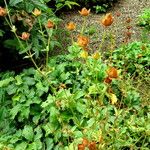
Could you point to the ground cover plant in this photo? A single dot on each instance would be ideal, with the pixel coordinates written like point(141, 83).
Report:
point(81, 100)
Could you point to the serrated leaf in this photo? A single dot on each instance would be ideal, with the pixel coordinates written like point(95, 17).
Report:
point(39, 5)
point(6, 82)
point(21, 146)
point(38, 134)
point(28, 132)
point(49, 143)
point(14, 111)
point(91, 122)
point(14, 2)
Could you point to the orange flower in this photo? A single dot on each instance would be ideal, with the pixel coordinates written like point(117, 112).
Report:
point(84, 12)
point(107, 20)
point(71, 26)
point(96, 55)
point(25, 36)
point(50, 24)
point(83, 41)
point(112, 72)
point(36, 12)
point(3, 12)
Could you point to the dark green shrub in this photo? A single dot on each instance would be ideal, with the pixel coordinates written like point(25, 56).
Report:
point(97, 5)
point(21, 19)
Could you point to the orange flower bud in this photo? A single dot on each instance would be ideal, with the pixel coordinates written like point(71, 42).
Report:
point(3, 12)
point(25, 36)
point(81, 147)
point(71, 26)
point(62, 86)
point(139, 55)
point(84, 54)
point(128, 34)
point(36, 12)
point(143, 47)
point(85, 48)
point(96, 55)
point(108, 80)
point(128, 20)
point(84, 12)
point(85, 142)
point(107, 20)
point(129, 27)
point(83, 41)
point(118, 14)
point(92, 146)
point(112, 72)
point(50, 24)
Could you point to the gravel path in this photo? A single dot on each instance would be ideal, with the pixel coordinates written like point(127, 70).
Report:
point(126, 9)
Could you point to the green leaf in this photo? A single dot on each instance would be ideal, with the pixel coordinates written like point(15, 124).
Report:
point(28, 132)
point(81, 107)
point(40, 5)
point(78, 94)
point(29, 80)
point(59, 5)
point(6, 82)
point(21, 146)
point(38, 134)
point(14, 111)
point(78, 134)
point(70, 3)
point(48, 129)
point(11, 89)
point(26, 49)
point(14, 2)
point(91, 122)
point(11, 43)
point(49, 143)
point(1, 32)
point(19, 80)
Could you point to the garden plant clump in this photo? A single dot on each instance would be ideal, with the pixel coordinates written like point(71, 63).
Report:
point(83, 100)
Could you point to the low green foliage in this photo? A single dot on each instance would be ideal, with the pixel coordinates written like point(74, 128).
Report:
point(71, 103)
point(144, 19)
point(133, 58)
